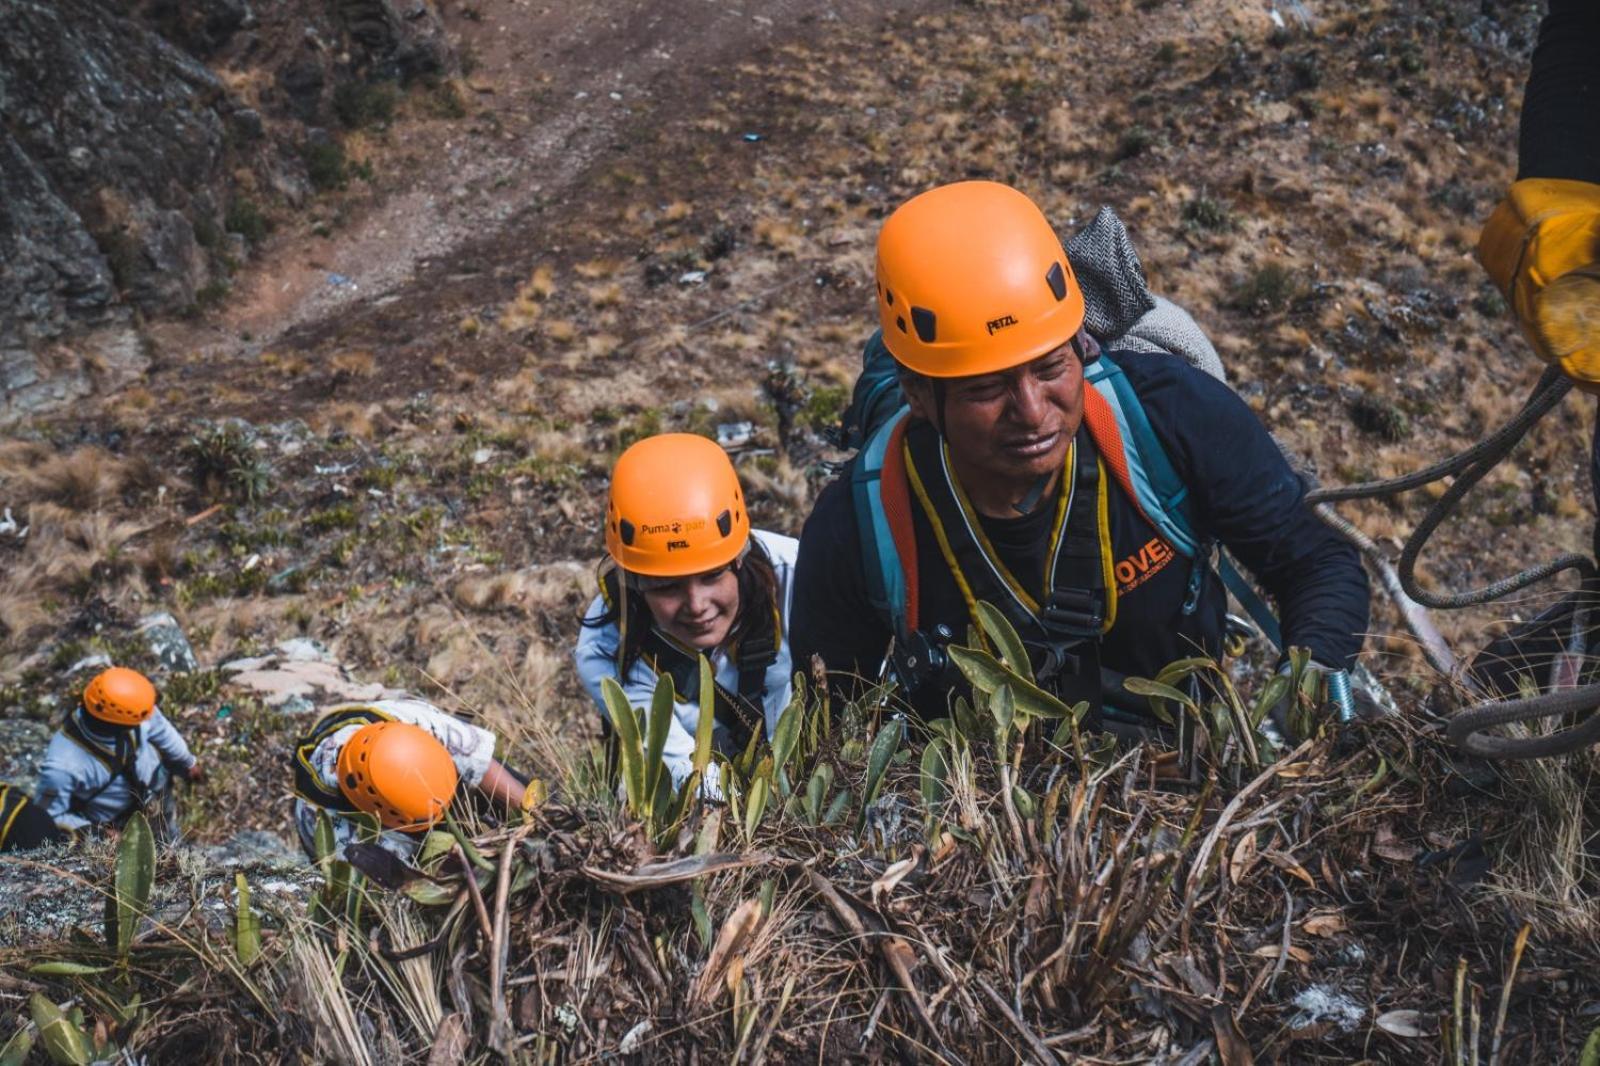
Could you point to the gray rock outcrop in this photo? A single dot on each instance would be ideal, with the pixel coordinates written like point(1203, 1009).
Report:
point(120, 149)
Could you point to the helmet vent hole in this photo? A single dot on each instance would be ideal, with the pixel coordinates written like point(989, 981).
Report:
point(350, 781)
point(1057, 280)
point(901, 322)
point(926, 322)
point(888, 298)
point(725, 523)
point(626, 531)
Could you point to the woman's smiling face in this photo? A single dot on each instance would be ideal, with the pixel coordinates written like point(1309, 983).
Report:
point(698, 610)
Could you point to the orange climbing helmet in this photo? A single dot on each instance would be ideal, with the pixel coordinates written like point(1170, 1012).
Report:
point(119, 696)
point(398, 772)
point(675, 508)
point(972, 279)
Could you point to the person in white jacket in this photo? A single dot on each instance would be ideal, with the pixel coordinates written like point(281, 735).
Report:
point(400, 760)
point(687, 576)
point(115, 752)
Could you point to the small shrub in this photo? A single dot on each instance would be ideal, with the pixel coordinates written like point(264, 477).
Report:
point(1380, 417)
point(223, 461)
point(1272, 287)
point(245, 218)
point(1205, 213)
point(361, 104)
point(1135, 141)
point(1079, 11)
point(211, 294)
point(325, 164)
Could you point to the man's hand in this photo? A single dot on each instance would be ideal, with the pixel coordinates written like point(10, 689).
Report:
point(195, 772)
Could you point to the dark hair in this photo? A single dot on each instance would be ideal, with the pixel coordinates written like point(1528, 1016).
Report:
point(758, 591)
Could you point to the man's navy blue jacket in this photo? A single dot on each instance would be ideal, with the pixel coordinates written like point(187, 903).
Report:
point(1244, 495)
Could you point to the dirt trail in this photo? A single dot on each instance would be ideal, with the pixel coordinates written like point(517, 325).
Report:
point(551, 90)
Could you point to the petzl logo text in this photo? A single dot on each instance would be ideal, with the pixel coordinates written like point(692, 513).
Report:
point(674, 545)
point(1000, 323)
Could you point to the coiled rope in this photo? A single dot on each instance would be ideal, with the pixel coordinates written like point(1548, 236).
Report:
point(1469, 467)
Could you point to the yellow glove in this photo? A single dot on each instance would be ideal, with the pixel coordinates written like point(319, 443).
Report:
point(1542, 248)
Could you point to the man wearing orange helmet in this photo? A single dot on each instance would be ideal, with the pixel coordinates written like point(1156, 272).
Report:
point(115, 752)
point(399, 760)
point(687, 576)
point(1011, 482)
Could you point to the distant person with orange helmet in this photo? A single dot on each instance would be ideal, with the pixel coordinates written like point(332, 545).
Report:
point(1012, 478)
point(115, 753)
point(399, 760)
point(687, 576)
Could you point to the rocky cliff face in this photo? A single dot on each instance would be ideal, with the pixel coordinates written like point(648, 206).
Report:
point(123, 130)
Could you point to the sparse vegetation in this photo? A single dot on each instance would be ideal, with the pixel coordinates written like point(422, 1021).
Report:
point(246, 218)
point(1270, 287)
point(359, 104)
point(325, 164)
point(224, 461)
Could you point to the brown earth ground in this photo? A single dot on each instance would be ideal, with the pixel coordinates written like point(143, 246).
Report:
point(651, 217)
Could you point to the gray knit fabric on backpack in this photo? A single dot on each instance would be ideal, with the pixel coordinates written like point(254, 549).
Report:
point(1119, 307)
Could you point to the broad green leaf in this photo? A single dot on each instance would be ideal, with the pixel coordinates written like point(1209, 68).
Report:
point(1179, 669)
point(430, 893)
point(323, 841)
point(706, 724)
point(702, 920)
point(1273, 691)
point(935, 768)
point(658, 726)
point(62, 968)
point(817, 791)
point(986, 674)
point(246, 926)
point(629, 747)
point(1003, 706)
point(787, 738)
point(756, 805)
point(136, 874)
point(966, 718)
point(1023, 800)
point(883, 748)
point(768, 894)
point(15, 1051)
point(63, 1041)
point(1591, 1050)
point(836, 809)
point(1143, 686)
point(436, 845)
point(1012, 652)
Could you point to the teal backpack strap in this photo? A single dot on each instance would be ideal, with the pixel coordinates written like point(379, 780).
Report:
point(1163, 497)
point(880, 556)
point(1161, 493)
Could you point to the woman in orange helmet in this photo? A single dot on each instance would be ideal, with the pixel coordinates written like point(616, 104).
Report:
point(398, 760)
point(686, 576)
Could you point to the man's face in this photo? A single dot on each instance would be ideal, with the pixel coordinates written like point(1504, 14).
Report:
point(1010, 427)
point(698, 610)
